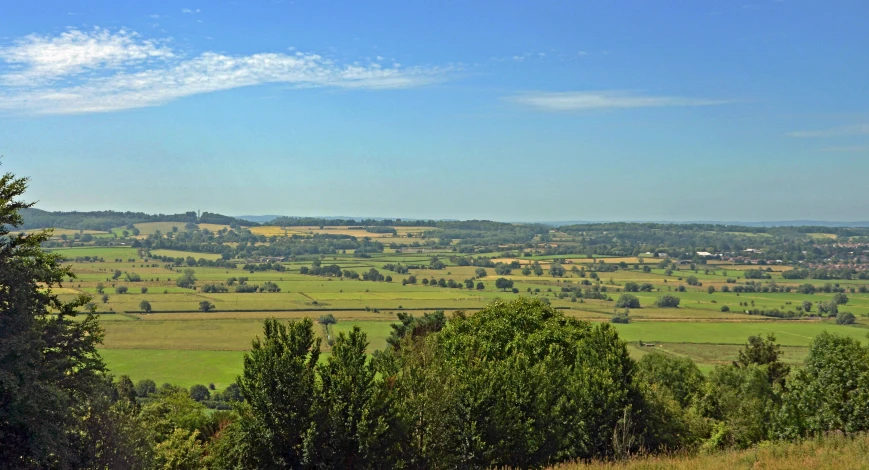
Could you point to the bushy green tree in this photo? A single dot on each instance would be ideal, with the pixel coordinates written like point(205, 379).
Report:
point(628, 301)
point(679, 375)
point(278, 388)
point(831, 393)
point(348, 428)
point(667, 301)
point(49, 366)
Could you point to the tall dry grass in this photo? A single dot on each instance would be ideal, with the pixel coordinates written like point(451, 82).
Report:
point(830, 452)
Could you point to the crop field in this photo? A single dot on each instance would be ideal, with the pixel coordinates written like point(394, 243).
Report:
point(176, 342)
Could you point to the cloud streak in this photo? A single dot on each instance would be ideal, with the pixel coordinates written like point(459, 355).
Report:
point(100, 71)
point(603, 100)
point(858, 129)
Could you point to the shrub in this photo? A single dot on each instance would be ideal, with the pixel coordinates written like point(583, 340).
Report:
point(845, 318)
point(628, 301)
point(667, 301)
point(199, 392)
point(121, 290)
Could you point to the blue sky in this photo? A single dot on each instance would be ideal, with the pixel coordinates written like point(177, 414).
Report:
point(594, 110)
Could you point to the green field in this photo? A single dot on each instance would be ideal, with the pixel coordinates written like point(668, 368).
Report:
point(697, 329)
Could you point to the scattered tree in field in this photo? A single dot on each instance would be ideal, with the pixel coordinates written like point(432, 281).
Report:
point(145, 387)
point(556, 270)
point(710, 289)
point(667, 301)
point(199, 392)
point(187, 279)
point(121, 290)
point(206, 306)
point(845, 318)
point(100, 288)
point(480, 273)
point(840, 299)
point(807, 306)
point(628, 301)
point(145, 306)
point(503, 283)
point(480, 286)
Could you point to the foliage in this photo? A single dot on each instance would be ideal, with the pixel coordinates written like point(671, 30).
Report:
point(667, 301)
point(628, 301)
point(49, 366)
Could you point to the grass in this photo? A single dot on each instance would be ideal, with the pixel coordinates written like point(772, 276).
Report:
point(698, 329)
point(214, 334)
point(180, 367)
point(787, 333)
point(833, 452)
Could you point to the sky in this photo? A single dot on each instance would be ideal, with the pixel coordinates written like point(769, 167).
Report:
point(752, 110)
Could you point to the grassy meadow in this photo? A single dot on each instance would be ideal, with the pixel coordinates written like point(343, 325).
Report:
point(177, 343)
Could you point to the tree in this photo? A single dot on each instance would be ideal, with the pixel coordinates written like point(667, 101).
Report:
point(206, 306)
point(710, 289)
point(764, 352)
point(49, 365)
point(145, 387)
point(807, 306)
point(846, 318)
point(840, 299)
point(277, 384)
point(145, 306)
point(679, 375)
point(480, 286)
point(200, 392)
point(348, 428)
point(187, 279)
point(667, 301)
point(121, 290)
point(480, 273)
point(100, 288)
point(831, 392)
point(503, 283)
point(556, 270)
point(628, 301)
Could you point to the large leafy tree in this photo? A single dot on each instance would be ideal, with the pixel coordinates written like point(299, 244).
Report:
point(350, 423)
point(278, 386)
point(48, 359)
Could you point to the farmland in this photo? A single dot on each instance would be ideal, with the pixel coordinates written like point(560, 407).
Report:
point(178, 343)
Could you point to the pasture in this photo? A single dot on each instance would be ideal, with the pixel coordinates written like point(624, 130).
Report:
point(178, 343)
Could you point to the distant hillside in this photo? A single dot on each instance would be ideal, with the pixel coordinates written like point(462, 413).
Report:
point(779, 223)
point(106, 220)
point(260, 219)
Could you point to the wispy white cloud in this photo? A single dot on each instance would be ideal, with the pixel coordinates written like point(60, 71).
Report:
point(597, 100)
point(43, 59)
point(858, 129)
point(47, 74)
point(190, 11)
